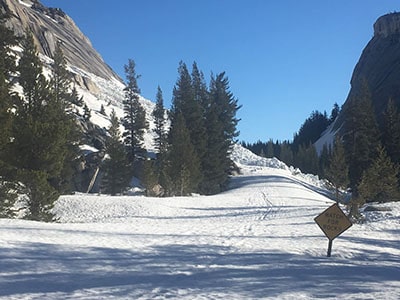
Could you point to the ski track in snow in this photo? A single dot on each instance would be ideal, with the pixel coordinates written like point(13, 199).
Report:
point(257, 240)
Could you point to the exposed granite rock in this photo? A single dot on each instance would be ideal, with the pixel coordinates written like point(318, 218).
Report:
point(379, 66)
point(50, 25)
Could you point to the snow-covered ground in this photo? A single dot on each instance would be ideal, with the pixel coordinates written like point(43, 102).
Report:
point(256, 241)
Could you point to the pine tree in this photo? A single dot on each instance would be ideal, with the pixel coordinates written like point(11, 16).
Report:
point(116, 167)
point(42, 134)
point(338, 171)
point(360, 135)
point(286, 154)
point(160, 122)
point(134, 115)
point(379, 182)
point(161, 139)
point(86, 112)
point(306, 159)
point(391, 132)
point(188, 97)
point(194, 113)
point(270, 149)
point(183, 169)
point(221, 121)
point(62, 96)
point(7, 67)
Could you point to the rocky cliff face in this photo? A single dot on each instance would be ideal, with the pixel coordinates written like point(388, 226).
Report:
point(379, 65)
point(52, 25)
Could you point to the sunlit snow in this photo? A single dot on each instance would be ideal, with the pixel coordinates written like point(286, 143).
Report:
point(257, 240)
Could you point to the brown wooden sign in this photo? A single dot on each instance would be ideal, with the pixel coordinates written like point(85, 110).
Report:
point(333, 221)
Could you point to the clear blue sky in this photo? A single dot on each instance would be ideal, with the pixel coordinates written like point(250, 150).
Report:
point(284, 58)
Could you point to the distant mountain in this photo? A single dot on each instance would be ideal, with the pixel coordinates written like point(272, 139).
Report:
point(379, 67)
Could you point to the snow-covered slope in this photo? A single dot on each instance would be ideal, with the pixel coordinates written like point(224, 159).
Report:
point(258, 240)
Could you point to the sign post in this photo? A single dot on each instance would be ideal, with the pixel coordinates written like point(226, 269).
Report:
point(333, 222)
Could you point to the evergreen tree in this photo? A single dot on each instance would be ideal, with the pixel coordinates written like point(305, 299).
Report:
point(379, 182)
point(42, 136)
point(338, 171)
point(360, 135)
point(188, 98)
point(221, 122)
point(7, 67)
point(160, 121)
point(134, 119)
point(183, 168)
point(311, 129)
point(116, 167)
point(150, 177)
point(324, 157)
point(86, 112)
point(161, 139)
point(391, 132)
point(270, 149)
point(62, 96)
point(194, 113)
point(306, 159)
point(334, 113)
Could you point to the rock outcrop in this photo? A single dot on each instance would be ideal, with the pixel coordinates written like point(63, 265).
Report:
point(52, 25)
point(379, 66)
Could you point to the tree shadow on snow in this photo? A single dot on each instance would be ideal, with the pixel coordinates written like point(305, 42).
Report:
point(42, 269)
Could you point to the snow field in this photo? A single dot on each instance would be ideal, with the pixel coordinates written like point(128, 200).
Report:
point(256, 241)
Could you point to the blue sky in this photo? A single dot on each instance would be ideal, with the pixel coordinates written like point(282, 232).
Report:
point(283, 58)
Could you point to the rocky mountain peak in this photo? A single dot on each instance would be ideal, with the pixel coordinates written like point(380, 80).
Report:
point(387, 25)
point(52, 25)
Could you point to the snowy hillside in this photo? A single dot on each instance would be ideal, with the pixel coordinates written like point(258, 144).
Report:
point(258, 240)
point(110, 95)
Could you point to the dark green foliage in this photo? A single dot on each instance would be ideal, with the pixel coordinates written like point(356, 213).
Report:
point(40, 194)
point(116, 167)
point(183, 169)
point(360, 135)
point(188, 99)
point(150, 177)
point(306, 159)
point(311, 129)
point(134, 119)
point(7, 67)
point(379, 182)
point(159, 115)
point(209, 117)
point(8, 196)
point(221, 122)
point(338, 170)
point(86, 112)
point(334, 113)
point(44, 135)
point(75, 99)
point(391, 132)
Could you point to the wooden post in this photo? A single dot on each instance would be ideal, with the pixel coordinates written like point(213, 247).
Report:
point(330, 248)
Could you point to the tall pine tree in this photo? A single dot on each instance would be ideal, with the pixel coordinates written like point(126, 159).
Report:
point(159, 115)
point(391, 132)
point(221, 121)
point(134, 115)
point(116, 166)
point(338, 170)
point(183, 168)
point(360, 135)
point(7, 67)
point(42, 136)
